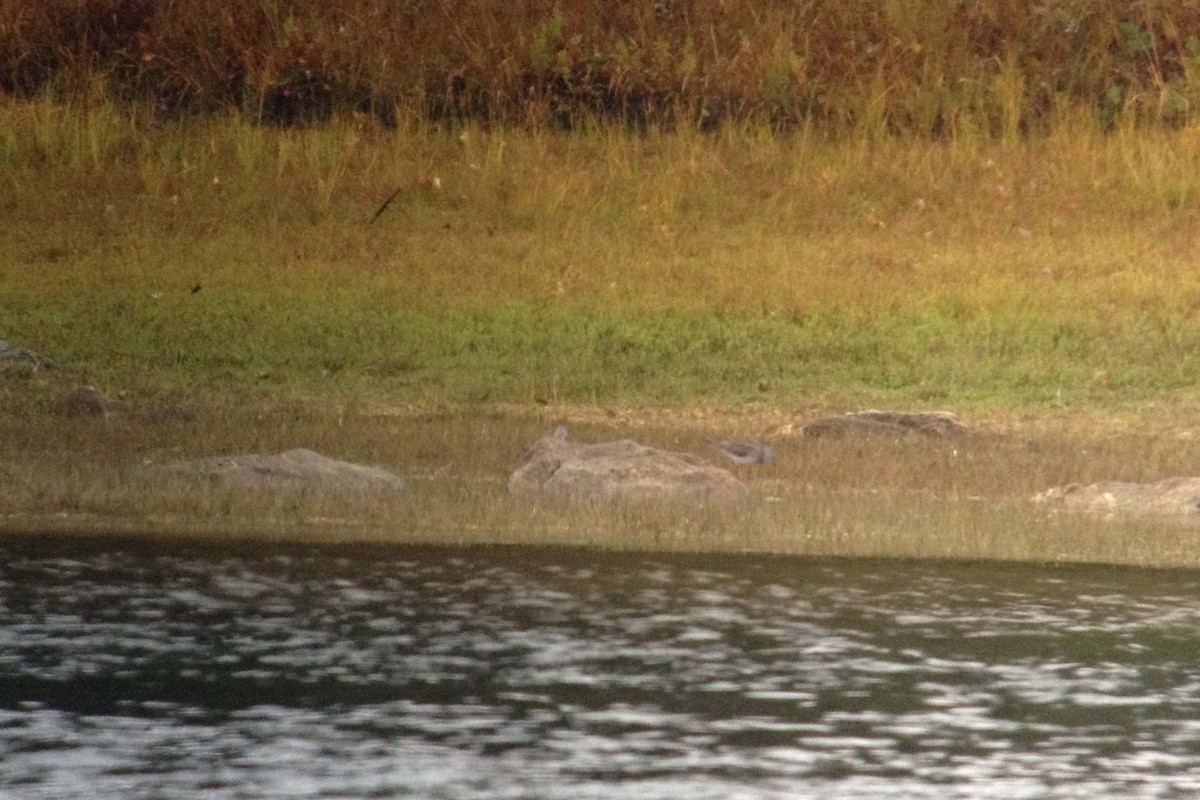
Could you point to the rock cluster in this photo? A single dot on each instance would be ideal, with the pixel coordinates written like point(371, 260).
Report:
point(1175, 498)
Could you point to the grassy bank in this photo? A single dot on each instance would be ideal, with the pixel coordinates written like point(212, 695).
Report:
point(672, 286)
point(517, 266)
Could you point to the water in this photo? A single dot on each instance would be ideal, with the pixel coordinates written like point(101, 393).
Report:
point(132, 671)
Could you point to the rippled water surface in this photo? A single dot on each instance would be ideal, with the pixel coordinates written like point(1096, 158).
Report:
point(132, 671)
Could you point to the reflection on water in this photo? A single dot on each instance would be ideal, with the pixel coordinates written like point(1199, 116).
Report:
point(128, 671)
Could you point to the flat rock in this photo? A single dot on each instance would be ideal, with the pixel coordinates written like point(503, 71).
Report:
point(13, 356)
point(621, 469)
point(888, 423)
point(291, 470)
point(1177, 498)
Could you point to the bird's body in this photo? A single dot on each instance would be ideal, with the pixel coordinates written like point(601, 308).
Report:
point(551, 440)
point(746, 451)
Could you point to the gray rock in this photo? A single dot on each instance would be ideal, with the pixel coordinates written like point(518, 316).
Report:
point(13, 356)
point(623, 470)
point(291, 470)
point(888, 423)
point(747, 451)
point(85, 401)
point(1177, 498)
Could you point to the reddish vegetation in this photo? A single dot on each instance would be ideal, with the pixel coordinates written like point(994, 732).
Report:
point(906, 65)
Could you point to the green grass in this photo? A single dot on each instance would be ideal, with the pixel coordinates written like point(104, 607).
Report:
point(342, 344)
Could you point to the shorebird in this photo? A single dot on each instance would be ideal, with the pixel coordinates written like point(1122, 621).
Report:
point(746, 451)
point(559, 435)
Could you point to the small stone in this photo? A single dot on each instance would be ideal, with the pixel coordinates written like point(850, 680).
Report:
point(85, 401)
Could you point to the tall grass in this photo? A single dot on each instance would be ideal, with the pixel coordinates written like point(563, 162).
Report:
point(927, 68)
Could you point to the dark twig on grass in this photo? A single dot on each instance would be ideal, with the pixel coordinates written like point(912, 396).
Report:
point(386, 203)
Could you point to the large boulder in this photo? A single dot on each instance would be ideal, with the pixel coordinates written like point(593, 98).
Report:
point(888, 423)
point(291, 470)
point(1176, 498)
point(622, 469)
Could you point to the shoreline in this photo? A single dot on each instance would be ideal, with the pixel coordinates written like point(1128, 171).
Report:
point(910, 498)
